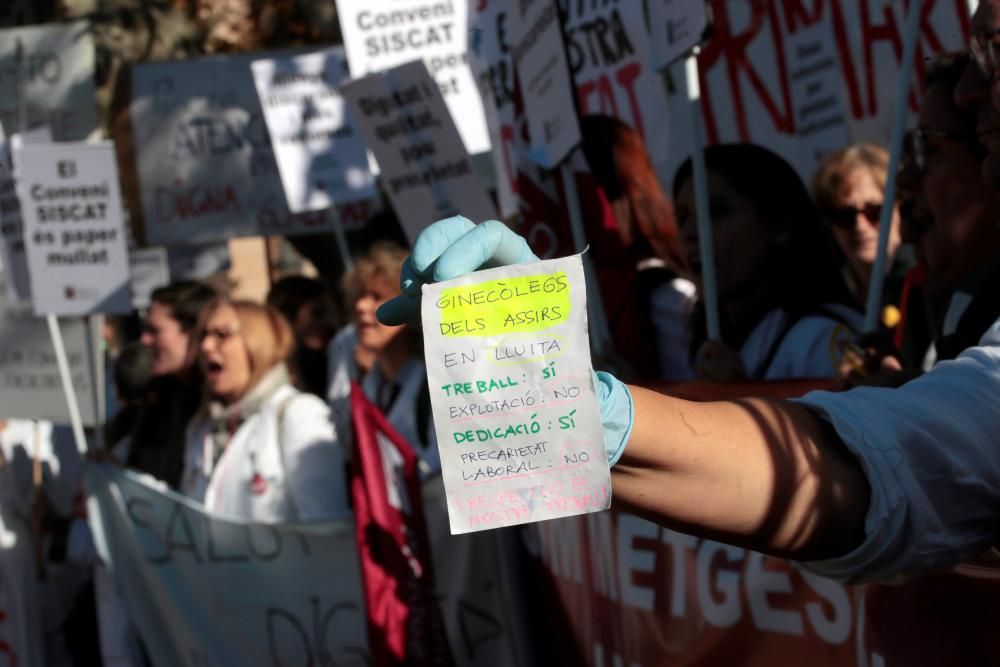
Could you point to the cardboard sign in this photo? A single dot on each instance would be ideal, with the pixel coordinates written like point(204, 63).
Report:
point(543, 69)
point(380, 34)
point(55, 62)
point(15, 261)
point(817, 95)
point(517, 420)
point(149, 268)
point(73, 230)
point(425, 169)
point(320, 157)
point(30, 387)
point(676, 27)
point(203, 154)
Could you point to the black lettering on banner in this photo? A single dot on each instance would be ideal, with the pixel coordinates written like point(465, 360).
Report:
point(289, 640)
point(210, 534)
point(252, 543)
point(478, 627)
point(132, 508)
point(178, 518)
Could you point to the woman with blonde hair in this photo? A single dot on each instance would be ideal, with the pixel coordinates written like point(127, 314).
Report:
point(849, 190)
point(259, 449)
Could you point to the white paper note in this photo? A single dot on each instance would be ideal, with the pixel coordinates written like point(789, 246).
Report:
point(517, 419)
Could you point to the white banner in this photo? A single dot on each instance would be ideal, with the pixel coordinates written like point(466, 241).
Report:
point(149, 268)
point(30, 387)
point(380, 34)
point(425, 169)
point(321, 158)
point(204, 159)
point(55, 62)
point(207, 591)
point(74, 234)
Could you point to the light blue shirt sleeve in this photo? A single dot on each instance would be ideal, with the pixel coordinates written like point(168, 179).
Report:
point(931, 452)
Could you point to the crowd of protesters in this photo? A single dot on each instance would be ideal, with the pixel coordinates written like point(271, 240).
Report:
point(244, 407)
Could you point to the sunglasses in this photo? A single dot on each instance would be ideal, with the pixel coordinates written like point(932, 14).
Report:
point(844, 216)
point(916, 143)
point(985, 52)
point(220, 334)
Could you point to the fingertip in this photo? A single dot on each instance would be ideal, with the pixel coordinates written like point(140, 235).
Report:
point(398, 311)
point(435, 239)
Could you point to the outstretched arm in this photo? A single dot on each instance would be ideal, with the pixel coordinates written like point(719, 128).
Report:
point(761, 473)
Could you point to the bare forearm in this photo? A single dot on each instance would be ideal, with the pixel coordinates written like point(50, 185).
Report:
point(760, 473)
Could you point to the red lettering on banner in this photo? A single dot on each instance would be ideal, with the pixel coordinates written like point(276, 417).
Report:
point(871, 33)
point(732, 49)
point(625, 76)
point(507, 148)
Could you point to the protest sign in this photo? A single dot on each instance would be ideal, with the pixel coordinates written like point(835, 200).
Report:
point(425, 169)
point(15, 261)
point(676, 27)
point(206, 590)
point(149, 268)
point(30, 387)
point(320, 157)
point(543, 70)
point(817, 96)
point(381, 34)
point(55, 63)
point(204, 159)
point(73, 231)
point(517, 421)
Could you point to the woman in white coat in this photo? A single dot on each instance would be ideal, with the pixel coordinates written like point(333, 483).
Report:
point(259, 449)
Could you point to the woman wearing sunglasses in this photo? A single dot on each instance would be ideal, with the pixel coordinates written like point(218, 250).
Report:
point(259, 449)
point(848, 188)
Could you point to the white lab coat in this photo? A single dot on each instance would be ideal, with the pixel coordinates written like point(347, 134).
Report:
point(930, 452)
point(271, 472)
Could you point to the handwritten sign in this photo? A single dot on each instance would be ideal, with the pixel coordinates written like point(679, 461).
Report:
point(543, 69)
point(15, 261)
point(381, 34)
point(425, 168)
point(677, 26)
point(320, 156)
point(517, 420)
point(73, 229)
point(55, 64)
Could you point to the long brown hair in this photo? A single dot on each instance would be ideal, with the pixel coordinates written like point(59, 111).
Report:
point(618, 159)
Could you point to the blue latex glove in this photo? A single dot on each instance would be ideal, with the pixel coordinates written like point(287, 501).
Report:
point(454, 247)
point(448, 249)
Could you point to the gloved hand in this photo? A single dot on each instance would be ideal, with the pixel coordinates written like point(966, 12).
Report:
point(617, 413)
point(454, 247)
point(448, 249)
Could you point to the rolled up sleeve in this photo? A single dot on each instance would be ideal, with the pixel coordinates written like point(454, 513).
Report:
point(931, 453)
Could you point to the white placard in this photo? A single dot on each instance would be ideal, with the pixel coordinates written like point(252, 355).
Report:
point(676, 27)
point(73, 230)
point(380, 34)
point(817, 95)
point(203, 154)
point(425, 169)
point(149, 268)
point(320, 156)
point(56, 64)
point(29, 377)
point(517, 420)
point(15, 261)
point(543, 70)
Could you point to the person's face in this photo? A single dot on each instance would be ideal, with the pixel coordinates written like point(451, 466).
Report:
point(372, 334)
point(223, 355)
point(312, 325)
point(859, 241)
point(167, 339)
point(954, 208)
point(740, 240)
point(981, 90)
